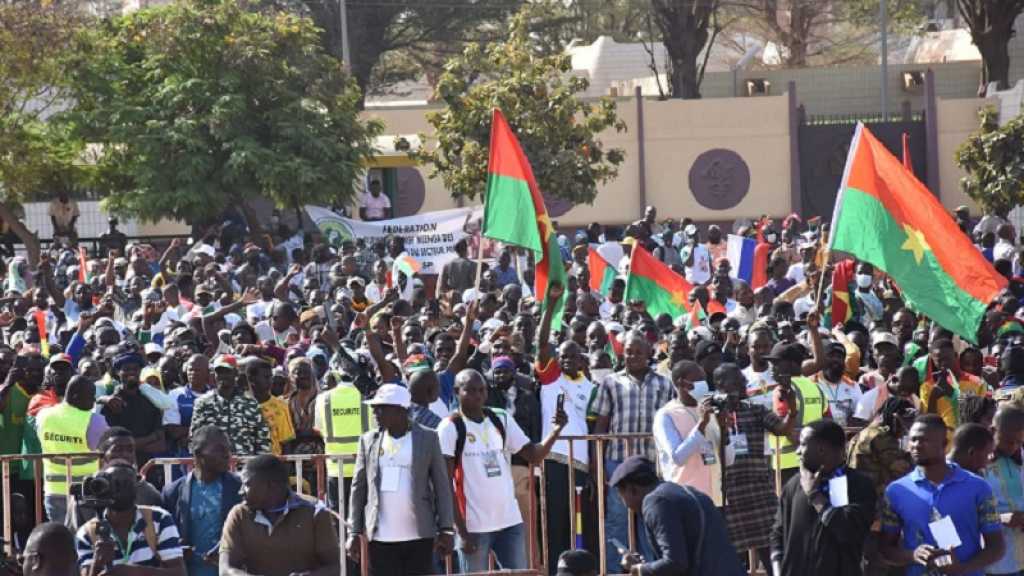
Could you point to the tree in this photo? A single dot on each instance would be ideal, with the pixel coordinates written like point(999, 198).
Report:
point(991, 26)
point(202, 104)
point(813, 32)
point(688, 28)
point(539, 97)
point(36, 157)
point(419, 34)
point(993, 162)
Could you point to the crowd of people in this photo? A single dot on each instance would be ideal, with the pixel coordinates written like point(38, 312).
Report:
point(763, 432)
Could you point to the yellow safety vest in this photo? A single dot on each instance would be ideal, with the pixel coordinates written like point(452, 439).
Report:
point(810, 406)
point(345, 419)
point(62, 429)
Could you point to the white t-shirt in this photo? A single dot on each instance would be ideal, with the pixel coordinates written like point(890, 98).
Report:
point(796, 272)
point(866, 405)
point(375, 206)
point(396, 521)
point(265, 332)
point(700, 272)
point(842, 399)
point(258, 311)
point(487, 468)
point(760, 386)
point(577, 399)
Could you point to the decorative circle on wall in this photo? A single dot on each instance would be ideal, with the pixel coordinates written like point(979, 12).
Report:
point(411, 191)
point(556, 206)
point(719, 179)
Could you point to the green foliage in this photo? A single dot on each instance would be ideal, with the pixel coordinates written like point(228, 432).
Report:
point(994, 164)
point(540, 98)
point(203, 103)
point(36, 157)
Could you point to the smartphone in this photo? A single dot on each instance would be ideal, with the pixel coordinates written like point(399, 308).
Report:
point(561, 401)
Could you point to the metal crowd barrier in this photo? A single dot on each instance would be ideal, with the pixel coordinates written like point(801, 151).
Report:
point(537, 551)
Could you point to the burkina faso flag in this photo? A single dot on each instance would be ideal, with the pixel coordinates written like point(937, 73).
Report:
point(886, 216)
point(661, 289)
point(602, 274)
point(514, 211)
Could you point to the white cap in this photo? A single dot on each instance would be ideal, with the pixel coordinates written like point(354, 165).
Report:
point(492, 324)
point(391, 395)
point(886, 337)
point(205, 249)
point(153, 348)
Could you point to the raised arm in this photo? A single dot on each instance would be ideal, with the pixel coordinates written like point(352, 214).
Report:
point(458, 361)
point(544, 352)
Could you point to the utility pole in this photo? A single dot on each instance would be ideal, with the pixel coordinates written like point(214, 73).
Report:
point(343, 24)
point(884, 17)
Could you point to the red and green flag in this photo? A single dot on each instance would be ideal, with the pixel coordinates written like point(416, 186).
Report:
point(887, 217)
point(651, 281)
point(841, 311)
point(698, 316)
point(514, 211)
point(602, 274)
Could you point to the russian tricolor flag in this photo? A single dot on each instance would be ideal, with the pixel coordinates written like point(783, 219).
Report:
point(740, 253)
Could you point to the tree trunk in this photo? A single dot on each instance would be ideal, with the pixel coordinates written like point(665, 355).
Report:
point(28, 238)
point(684, 35)
point(995, 54)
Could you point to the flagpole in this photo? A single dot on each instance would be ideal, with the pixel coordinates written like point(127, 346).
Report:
point(821, 283)
point(479, 260)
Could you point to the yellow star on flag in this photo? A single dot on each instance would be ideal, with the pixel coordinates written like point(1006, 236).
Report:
point(679, 297)
point(545, 226)
point(915, 242)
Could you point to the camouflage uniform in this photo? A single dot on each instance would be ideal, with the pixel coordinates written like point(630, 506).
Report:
point(876, 453)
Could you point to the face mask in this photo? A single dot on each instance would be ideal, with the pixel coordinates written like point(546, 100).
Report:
point(864, 280)
point(484, 347)
point(599, 374)
point(770, 238)
point(700, 389)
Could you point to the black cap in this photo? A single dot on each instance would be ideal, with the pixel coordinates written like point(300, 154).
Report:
point(791, 352)
point(706, 348)
point(636, 469)
point(574, 562)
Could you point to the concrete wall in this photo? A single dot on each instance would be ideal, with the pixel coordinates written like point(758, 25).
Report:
point(957, 120)
point(675, 133)
point(841, 90)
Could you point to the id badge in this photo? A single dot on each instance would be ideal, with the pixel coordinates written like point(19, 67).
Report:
point(389, 478)
point(739, 444)
point(491, 465)
point(709, 458)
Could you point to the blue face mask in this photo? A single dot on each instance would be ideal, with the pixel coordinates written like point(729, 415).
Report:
point(700, 389)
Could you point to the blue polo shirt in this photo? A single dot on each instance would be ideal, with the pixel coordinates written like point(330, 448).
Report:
point(912, 502)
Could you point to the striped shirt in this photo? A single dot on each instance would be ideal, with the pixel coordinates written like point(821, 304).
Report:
point(136, 551)
point(631, 405)
point(424, 416)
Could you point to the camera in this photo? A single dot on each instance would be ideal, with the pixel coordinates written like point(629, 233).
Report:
point(359, 369)
point(95, 492)
point(722, 402)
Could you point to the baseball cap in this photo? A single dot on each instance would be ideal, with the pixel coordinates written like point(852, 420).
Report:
point(205, 249)
point(791, 352)
point(153, 348)
point(884, 337)
point(60, 358)
point(391, 395)
point(635, 468)
point(225, 361)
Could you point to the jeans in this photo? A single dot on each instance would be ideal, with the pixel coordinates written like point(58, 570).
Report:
point(56, 506)
point(616, 525)
point(509, 546)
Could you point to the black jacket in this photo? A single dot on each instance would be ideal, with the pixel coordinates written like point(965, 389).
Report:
point(828, 543)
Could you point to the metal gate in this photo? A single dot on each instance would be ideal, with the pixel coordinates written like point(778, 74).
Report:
point(825, 142)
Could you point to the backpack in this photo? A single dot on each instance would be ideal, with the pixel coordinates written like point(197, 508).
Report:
point(460, 431)
point(460, 444)
point(92, 529)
